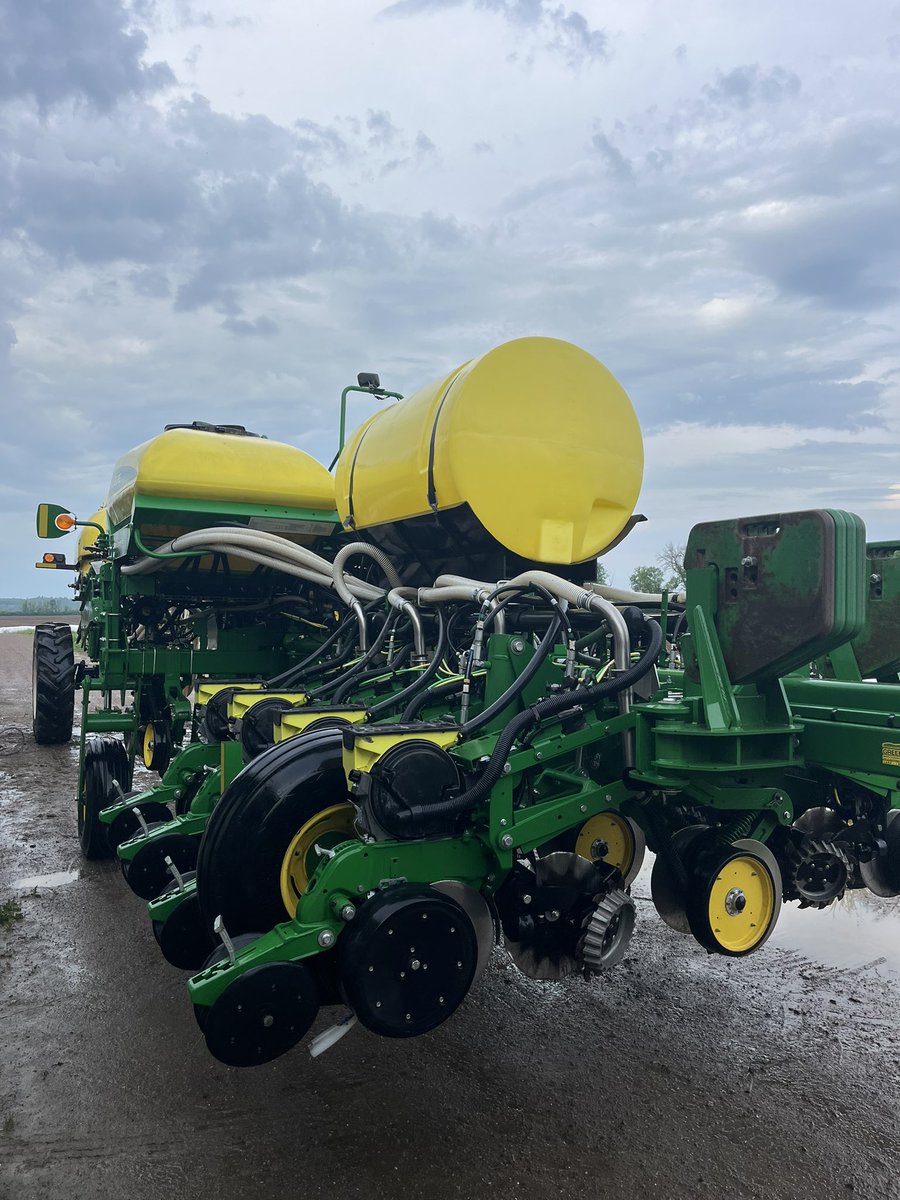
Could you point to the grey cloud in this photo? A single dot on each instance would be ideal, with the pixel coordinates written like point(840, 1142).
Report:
point(215, 202)
point(743, 87)
point(320, 142)
point(612, 156)
point(382, 130)
point(261, 327)
point(55, 50)
point(149, 282)
point(563, 31)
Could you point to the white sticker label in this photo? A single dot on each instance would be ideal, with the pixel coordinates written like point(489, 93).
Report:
point(287, 525)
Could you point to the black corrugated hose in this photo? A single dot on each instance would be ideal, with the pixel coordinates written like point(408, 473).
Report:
point(578, 697)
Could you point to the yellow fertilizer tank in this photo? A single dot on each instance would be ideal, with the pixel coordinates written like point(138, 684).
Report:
point(530, 452)
point(191, 477)
point(87, 539)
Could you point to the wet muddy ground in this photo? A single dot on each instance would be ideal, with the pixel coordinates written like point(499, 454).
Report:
point(679, 1075)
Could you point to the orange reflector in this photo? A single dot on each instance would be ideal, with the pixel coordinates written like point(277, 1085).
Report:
point(65, 521)
point(50, 558)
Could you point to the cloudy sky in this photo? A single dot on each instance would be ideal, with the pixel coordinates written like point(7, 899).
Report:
point(224, 210)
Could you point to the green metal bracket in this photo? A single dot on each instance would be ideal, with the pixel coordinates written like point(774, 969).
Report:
point(380, 392)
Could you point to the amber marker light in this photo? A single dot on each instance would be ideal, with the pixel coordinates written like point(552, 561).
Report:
point(65, 521)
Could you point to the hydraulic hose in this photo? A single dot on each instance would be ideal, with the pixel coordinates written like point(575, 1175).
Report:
point(344, 589)
point(626, 596)
point(397, 663)
point(521, 681)
point(288, 676)
point(451, 687)
point(422, 680)
point(578, 697)
point(351, 676)
point(403, 600)
point(268, 550)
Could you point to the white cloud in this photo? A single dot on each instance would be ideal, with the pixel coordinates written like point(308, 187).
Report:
point(709, 208)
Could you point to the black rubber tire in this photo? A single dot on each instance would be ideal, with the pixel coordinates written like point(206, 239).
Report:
point(253, 824)
point(105, 759)
point(53, 684)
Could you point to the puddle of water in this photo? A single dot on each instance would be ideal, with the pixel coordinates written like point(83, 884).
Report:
point(859, 931)
point(856, 932)
point(54, 879)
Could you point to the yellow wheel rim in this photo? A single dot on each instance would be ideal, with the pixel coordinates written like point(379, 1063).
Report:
point(148, 745)
point(615, 831)
point(328, 828)
point(741, 904)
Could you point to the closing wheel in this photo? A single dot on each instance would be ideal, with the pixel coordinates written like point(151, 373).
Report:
point(52, 684)
point(327, 829)
point(105, 765)
point(148, 872)
point(667, 887)
point(183, 937)
point(881, 874)
point(263, 1014)
point(734, 898)
point(126, 825)
point(156, 747)
point(407, 960)
point(254, 825)
point(612, 839)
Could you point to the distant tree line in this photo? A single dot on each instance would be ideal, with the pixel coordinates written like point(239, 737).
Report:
point(668, 575)
point(39, 606)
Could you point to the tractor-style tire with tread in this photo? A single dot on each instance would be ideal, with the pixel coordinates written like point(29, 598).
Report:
point(105, 760)
point(53, 684)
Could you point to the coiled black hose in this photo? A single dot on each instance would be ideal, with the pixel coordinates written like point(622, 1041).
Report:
point(578, 697)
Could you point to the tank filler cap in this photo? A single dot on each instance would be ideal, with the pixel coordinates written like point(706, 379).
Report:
point(206, 427)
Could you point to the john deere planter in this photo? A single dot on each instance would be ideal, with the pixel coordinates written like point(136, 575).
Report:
point(474, 743)
point(238, 602)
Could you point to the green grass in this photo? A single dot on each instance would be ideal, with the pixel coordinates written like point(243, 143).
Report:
point(10, 912)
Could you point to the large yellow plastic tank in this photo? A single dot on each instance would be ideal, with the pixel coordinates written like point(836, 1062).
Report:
point(533, 447)
point(198, 465)
point(87, 539)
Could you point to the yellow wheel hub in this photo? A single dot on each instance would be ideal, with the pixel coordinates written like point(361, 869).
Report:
point(741, 904)
point(612, 830)
point(328, 828)
point(148, 745)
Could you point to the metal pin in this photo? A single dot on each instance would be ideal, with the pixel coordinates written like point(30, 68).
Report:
point(323, 851)
point(222, 933)
point(175, 873)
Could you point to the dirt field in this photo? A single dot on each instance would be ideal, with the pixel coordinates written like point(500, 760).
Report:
point(681, 1075)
